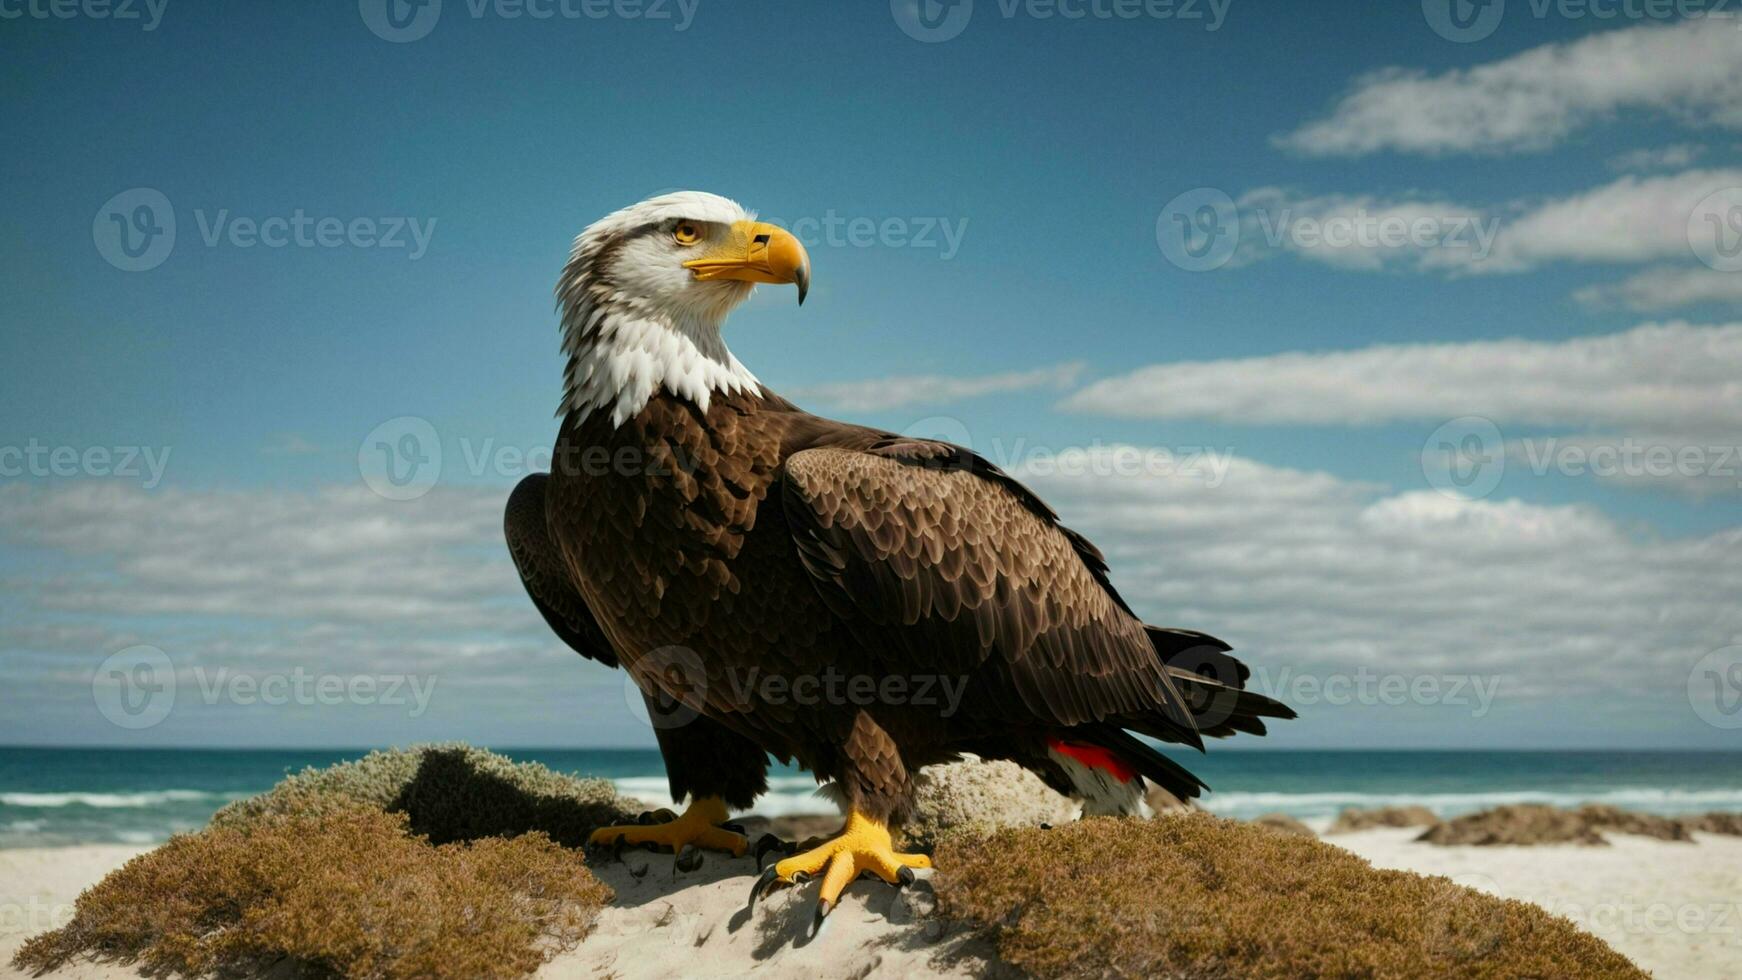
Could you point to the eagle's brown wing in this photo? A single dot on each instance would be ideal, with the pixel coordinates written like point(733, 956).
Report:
point(955, 567)
point(547, 581)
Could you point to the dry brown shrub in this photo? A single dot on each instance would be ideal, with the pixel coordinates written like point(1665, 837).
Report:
point(1202, 897)
point(345, 891)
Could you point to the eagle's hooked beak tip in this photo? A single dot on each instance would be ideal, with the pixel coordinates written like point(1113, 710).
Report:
point(757, 252)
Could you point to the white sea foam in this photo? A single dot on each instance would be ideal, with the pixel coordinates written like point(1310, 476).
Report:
point(786, 794)
point(108, 801)
point(1639, 798)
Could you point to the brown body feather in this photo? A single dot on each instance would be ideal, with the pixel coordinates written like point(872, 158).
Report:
point(724, 556)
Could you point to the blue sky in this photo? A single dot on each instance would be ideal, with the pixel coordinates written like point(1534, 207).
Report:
point(1054, 320)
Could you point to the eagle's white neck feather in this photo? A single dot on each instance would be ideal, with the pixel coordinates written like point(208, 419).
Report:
point(623, 359)
point(635, 322)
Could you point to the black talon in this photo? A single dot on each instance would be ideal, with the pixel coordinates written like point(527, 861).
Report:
point(824, 907)
point(617, 848)
point(735, 828)
point(764, 881)
point(644, 818)
point(688, 859)
point(769, 842)
point(905, 877)
point(663, 815)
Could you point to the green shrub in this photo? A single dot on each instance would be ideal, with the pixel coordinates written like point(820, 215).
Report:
point(1198, 896)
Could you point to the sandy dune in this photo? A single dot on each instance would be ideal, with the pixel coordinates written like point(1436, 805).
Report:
point(1676, 909)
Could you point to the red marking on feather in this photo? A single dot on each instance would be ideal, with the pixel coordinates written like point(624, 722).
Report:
point(1095, 757)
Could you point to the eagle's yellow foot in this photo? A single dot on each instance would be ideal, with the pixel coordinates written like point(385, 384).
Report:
point(863, 847)
point(699, 825)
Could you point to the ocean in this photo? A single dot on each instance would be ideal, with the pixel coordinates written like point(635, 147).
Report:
point(51, 797)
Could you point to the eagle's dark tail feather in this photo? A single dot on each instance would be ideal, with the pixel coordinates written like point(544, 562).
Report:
point(1213, 684)
point(1101, 762)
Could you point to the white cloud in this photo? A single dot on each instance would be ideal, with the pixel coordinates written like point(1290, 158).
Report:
point(338, 582)
point(1631, 219)
point(1665, 288)
point(1675, 156)
point(1304, 570)
point(1670, 377)
point(1690, 71)
point(902, 391)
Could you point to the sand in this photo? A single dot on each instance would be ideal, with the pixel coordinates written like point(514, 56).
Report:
point(1674, 908)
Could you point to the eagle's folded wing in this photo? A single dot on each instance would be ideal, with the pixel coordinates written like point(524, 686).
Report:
point(954, 567)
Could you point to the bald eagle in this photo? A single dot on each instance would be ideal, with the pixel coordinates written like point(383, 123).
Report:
point(797, 583)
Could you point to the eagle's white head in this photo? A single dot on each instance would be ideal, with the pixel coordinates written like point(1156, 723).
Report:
point(646, 290)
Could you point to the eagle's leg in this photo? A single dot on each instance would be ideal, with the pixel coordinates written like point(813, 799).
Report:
point(699, 825)
point(715, 768)
point(877, 784)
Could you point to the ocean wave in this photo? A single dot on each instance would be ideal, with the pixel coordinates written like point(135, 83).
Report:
point(1639, 797)
point(109, 801)
point(786, 795)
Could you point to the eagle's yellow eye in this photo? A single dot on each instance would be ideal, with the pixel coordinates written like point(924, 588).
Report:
point(687, 233)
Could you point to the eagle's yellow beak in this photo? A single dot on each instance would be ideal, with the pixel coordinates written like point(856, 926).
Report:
point(756, 251)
